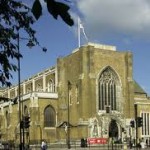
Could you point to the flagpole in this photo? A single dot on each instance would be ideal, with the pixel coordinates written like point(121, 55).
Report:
point(79, 32)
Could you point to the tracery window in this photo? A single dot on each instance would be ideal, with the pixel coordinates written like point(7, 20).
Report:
point(39, 87)
point(146, 123)
point(108, 89)
point(51, 86)
point(28, 90)
point(49, 117)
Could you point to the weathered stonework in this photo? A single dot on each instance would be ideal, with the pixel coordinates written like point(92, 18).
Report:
point(74, 83)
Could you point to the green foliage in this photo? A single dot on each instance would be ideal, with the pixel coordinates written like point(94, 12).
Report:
point(14, 16)
point(55, 9)
point(37, 9)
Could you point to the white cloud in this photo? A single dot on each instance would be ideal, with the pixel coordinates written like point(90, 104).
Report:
point(109, 17)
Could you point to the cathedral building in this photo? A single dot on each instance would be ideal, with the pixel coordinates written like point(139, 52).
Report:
point(90, 93)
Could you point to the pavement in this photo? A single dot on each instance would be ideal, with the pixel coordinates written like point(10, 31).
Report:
point(94, 148)
point(102, 147)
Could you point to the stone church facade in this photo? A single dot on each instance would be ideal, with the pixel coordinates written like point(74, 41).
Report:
point(88, 94)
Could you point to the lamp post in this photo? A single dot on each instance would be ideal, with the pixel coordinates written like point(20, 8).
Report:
point(22, 140)
point(68, 122)
point(30, 44)
point(136, 125)
point(19, 90)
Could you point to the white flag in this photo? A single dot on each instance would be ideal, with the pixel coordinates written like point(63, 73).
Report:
point(81, 26)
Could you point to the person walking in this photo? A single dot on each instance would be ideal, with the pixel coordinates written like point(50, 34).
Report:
point(43, 145)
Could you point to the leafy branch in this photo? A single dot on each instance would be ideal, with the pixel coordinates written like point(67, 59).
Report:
point(55, 9)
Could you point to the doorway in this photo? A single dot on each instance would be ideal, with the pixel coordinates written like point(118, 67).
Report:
point(113, 129)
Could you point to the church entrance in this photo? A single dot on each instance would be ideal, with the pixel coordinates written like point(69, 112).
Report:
point(113, 129)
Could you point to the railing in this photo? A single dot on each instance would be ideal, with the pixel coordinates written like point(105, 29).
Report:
point(74, 146)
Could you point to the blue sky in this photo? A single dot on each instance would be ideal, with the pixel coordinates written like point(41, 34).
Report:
point(124, 24)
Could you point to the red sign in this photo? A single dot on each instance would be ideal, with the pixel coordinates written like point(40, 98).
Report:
point(97, 140)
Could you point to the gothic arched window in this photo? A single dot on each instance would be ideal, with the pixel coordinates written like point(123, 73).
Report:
point(39, 87)
point(49, 117)
point(51, 86)
point(108, 82)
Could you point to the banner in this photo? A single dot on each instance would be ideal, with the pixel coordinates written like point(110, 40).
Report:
point(97, 140)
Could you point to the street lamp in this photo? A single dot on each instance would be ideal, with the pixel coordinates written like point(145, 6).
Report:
point(19, 89)
point(136, 129)
point(30, 45)
point(68, 122)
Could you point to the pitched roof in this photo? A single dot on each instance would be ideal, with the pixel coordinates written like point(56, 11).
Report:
point(138, 88)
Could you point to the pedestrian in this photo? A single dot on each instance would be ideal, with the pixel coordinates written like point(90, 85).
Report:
point(43, 145)
point(131, 145)
point(142, 144)
point(146, 142)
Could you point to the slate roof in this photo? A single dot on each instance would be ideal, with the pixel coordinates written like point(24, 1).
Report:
point(138, 88)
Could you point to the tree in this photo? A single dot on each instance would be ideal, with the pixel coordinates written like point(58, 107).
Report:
point(16, 16)
point(54, 8)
